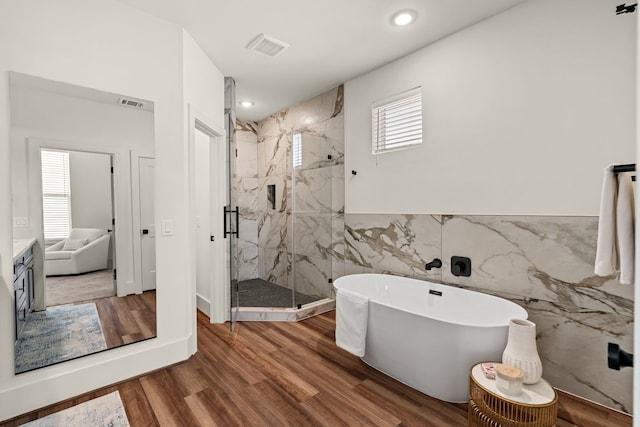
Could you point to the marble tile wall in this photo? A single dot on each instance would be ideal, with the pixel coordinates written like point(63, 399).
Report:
point(247, 196)
point(544, 264)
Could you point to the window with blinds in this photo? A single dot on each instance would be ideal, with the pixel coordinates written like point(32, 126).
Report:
point(56, 194)
point(297, 150)
point(397, 121)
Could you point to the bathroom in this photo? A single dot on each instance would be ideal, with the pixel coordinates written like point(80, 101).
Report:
point(517, 200)
point(509, 174)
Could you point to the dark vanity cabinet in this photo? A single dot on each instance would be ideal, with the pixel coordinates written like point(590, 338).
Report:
point(23, 288)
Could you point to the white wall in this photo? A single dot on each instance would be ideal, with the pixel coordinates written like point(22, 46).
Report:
point(105, 45)
point(204, 95)
point(521, 114)
point(78, 122)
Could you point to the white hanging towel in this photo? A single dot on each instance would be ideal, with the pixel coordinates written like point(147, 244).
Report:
point(625, 227)
point(615, 253)
point(352, 313)
point(606, 252)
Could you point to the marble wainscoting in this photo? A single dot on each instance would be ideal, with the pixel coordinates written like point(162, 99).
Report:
point(545, 264)
point(393, 244)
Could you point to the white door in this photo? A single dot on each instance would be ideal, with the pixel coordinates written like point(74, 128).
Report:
point(202, 187)
point(147, 222)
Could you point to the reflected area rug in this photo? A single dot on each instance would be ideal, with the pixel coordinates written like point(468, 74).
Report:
point(58, 334)
point(104, 411)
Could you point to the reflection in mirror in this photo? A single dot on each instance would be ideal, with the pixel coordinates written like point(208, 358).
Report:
point(83, 212)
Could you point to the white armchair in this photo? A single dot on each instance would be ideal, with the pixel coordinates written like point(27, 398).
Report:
point(86, 249)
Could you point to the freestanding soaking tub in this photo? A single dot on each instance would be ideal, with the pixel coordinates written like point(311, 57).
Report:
point(429, 335)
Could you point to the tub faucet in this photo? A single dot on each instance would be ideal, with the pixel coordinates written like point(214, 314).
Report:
point(436, 263)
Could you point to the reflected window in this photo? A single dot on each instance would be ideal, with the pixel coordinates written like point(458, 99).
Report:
point(56, 194)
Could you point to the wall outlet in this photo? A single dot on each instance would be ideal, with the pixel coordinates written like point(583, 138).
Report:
point(21, 222)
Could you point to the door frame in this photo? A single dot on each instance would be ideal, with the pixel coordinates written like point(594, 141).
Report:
point(219, 293)
point(121, 184)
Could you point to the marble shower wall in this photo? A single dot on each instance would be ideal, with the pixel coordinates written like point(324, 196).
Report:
point(544, 264)
point(264, 159)
point(247, 191)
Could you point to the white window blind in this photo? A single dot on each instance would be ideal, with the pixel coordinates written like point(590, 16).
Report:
point(56, 194)
point(397, 121)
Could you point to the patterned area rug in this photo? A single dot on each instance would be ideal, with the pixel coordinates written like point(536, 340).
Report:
point(103, 411)
point(58, 334)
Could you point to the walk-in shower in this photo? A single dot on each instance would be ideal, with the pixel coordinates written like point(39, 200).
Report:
point(295, 218)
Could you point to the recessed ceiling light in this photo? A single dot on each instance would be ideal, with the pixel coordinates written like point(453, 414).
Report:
point(404, 17)
point(246, 104)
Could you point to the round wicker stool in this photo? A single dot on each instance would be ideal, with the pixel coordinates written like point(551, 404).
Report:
point(536, 406)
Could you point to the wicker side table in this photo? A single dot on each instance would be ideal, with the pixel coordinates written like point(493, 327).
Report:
point(536, 406)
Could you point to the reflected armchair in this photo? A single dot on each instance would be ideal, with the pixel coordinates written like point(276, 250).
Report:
point(86, 249)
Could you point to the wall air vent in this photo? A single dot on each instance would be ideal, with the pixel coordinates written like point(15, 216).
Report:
point(130, 103)
point(267, 45)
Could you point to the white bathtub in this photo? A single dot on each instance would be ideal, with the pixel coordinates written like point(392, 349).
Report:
point(429, 335)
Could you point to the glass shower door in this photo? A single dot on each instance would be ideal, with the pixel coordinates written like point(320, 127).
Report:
point(231, 211)
point(311, 218)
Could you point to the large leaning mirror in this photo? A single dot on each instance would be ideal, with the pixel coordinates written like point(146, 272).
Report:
point(83, 220)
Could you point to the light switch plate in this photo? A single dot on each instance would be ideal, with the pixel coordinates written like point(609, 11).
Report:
point(21, 222)
point(167, 227)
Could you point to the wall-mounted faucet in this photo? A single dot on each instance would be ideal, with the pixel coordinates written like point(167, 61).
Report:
point(436, 263)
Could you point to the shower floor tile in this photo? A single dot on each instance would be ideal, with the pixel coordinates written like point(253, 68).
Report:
point(260, 293)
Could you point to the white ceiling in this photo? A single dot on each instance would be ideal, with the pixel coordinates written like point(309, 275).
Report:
point(332, 41)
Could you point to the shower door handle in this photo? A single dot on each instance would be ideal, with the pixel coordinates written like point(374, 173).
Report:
point(237, 223)
point(227, 210)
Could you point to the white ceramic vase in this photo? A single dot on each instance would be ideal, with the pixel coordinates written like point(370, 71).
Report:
point(521, 350)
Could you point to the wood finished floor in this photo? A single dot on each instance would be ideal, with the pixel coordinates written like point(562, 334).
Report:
point(127, 319)
point(279, 374)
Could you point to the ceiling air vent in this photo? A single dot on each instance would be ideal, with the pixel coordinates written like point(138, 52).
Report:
point(267, 45)
point(130, 103)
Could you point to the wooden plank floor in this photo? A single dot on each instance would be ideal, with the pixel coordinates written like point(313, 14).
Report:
point(276, 374)
point(127, 319)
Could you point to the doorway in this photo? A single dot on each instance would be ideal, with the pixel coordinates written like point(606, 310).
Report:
point(78, 207)
point(207, 199)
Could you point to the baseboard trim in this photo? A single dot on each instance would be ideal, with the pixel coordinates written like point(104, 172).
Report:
point(585, 413)
point(204, 305)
